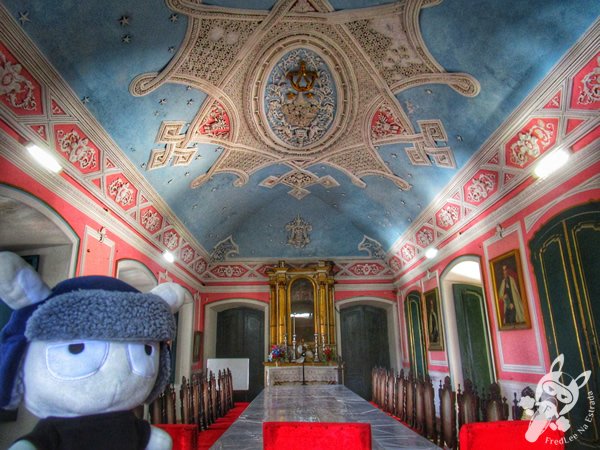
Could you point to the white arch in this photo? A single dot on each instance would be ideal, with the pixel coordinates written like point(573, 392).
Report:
point(449, 276)
point(393, 323)
point(137, 274)
point(55, 269)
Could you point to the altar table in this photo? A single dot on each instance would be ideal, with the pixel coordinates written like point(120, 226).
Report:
point(295, 373)
point(316, 403)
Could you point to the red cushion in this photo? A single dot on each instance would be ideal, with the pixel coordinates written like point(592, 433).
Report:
point(185, 437)
point(320, 435)
point(508, 434)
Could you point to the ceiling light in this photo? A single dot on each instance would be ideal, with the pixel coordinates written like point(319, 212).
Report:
point(44, 158)
point(168, 256)
point(431, 252)
point(551, 163)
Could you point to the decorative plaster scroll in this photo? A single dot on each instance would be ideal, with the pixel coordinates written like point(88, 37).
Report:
point(372, 247)
point(297, 231)
point(299, 180)
point(224, 249)
point(426, 149)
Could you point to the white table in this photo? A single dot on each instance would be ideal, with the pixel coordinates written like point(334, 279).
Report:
point(316, 403)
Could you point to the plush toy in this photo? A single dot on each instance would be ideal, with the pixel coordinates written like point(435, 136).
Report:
point(83, 355)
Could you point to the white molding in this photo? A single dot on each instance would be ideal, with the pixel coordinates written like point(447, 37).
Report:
point(589, 184)
point(577, 163)
point(238, 289)
point(90, 233)
point(516, 368)
point(42, 207)
point(350, 287)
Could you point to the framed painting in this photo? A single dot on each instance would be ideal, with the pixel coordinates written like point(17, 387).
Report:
point(433, 320)
point(509, 292)
point(197, 347)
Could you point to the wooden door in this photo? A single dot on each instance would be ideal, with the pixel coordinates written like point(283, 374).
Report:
point(240, 334)
point(471, 324)
point(416, 341)
point(565, 256)
point(365, 345)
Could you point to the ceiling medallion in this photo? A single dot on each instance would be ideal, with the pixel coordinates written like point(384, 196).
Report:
point(298, 230)
point(300, 98)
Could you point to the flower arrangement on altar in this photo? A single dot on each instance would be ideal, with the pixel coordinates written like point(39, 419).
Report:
point(329, 353)
point(278, 353)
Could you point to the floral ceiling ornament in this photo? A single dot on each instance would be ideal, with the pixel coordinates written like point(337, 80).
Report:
point(288, 83)
point(590, 89)
point(224, 249)
point(19, 91)
point(372, 247)
point(297, 231)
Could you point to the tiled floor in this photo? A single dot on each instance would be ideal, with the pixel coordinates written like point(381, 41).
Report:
point(316, 403)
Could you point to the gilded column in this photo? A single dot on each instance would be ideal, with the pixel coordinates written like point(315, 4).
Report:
point(331, 310)
point(273, 311)
point(282, 307)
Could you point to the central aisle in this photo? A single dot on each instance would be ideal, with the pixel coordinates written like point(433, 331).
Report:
point(316, 403)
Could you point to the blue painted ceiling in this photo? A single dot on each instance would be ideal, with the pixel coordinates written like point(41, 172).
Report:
point(507, 46)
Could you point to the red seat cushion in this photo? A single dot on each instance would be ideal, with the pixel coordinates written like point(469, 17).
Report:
point(320, 435)
point(507, 434)
point(185, 437)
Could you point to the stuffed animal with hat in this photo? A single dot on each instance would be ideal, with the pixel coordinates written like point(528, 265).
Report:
point(82, 355)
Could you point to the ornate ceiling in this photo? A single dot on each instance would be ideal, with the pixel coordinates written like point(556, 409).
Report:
point(296, 128)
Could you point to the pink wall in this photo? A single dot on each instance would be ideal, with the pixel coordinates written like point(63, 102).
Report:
point(520, 355)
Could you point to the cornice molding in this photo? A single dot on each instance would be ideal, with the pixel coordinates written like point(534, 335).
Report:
point(17, 155)
point(577, 163)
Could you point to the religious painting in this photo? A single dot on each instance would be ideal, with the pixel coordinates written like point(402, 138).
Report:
point(433, 320)
point(302, 310)
point(509, 292)
point(197, 347)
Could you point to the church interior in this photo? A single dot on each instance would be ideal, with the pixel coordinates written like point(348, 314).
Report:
point(398, 201)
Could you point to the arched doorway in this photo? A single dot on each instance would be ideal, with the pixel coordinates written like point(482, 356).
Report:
point(238, 329)
point(416, 340)
point(240, 334)
point(136, 274)
point(368, 338)
point(564, 254)
point(467, 324)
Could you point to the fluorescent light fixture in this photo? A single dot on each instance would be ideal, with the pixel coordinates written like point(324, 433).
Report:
point(43, 157)
point(431, 252)
point(301, 315)
point(551, 163)
point(168, 256)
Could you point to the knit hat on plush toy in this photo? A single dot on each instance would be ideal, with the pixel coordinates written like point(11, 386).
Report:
point(89, 307)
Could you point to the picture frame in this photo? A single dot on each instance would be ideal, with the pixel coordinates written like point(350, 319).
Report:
point(434, 329)
point(510, 297)
point(197, 347)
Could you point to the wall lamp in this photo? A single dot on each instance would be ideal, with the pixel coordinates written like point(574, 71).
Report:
point(168, 256)
point(43, 157)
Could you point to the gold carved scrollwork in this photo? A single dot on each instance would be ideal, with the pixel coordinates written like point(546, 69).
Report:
point(301, 308)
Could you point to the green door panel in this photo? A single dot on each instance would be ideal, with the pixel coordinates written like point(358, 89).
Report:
point(565, 257)
point(416, 336)
point(475, 350)
point(364, 345)
point(240, 334)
